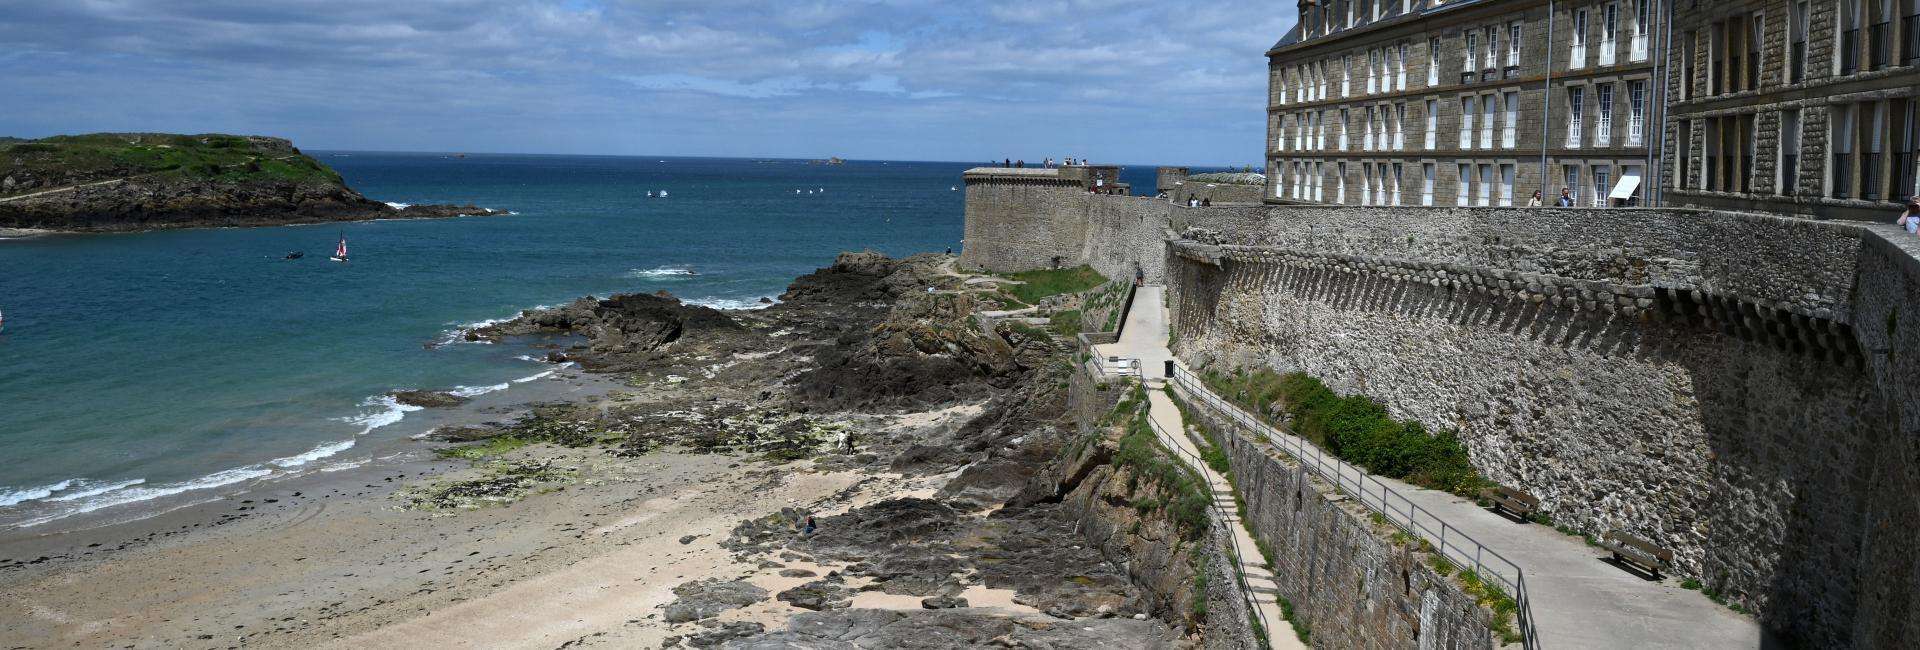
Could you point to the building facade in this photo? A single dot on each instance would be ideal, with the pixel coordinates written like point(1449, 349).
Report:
point(1794, 106)
point(1471, 102)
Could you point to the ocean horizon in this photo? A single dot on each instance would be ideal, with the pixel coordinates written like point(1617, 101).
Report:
point(155, 367)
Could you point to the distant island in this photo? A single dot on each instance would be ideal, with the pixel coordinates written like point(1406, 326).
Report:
point(139, 181)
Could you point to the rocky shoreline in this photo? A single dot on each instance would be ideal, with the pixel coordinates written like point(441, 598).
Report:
point(932, 450)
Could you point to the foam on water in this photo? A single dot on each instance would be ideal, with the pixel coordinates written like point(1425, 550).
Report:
point(732, 303)
point(476, 391)
point(387, 411)
point(399, 206)
point(138, 494)
point(93, 488)
point(662, 272)
point(537, 377)
point(317, 453)
point(29, 494)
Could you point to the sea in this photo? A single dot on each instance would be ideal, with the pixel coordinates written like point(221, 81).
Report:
point(148, 370)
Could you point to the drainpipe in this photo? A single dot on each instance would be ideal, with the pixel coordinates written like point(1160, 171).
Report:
point(1657, 164)
point(1546, 109)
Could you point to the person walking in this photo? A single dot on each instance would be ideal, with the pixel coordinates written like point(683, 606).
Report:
point(1565, 200)
point(1535, 201)
point(1910, 218)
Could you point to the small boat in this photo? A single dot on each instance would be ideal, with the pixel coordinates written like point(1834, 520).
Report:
point(663, 194)
point(649, 194)
point(953, 188)
point(3, 322)
point(294, 255)
point(340, 252)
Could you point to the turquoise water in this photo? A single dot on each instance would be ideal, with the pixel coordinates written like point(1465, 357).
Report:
point(149, 365)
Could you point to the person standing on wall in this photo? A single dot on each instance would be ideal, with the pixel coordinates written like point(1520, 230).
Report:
point(1910, 218)
point(1535, 201)
point(1565, 200)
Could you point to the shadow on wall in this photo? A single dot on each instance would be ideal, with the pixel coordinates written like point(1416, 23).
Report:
point(1749, 461)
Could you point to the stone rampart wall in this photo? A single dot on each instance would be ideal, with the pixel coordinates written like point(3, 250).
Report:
point(1696, 378)
point(1887, 306)
point(1347, 581)
point(1215, 192)
point(1021, 224)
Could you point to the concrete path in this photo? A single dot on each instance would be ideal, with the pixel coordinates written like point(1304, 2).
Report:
point(1144, 336)
point(1172, 431)
point(1579, 599)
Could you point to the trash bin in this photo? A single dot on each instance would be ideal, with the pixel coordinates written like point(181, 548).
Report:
point(1169, 368)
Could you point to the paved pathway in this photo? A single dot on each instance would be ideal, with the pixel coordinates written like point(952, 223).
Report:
point(1172, 430)
point(1579, 600)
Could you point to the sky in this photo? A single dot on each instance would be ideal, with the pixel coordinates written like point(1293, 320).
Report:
point(1120, 81)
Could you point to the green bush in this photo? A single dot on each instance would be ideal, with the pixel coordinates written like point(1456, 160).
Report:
point(1066, 323)
point(1184, 497)
point(1356, 429)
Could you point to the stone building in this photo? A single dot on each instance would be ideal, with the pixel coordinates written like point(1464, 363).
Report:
point(1470, 102)
point(1794, 106)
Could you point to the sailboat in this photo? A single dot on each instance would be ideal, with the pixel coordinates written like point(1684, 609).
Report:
point(340, 252)
point(3, 322)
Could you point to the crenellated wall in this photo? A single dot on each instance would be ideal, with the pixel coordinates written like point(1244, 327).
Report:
point(1695, 378)
point(1744, 389)
point(1025, 221)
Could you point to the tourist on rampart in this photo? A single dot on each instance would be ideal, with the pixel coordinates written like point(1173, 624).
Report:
point(1565, 200)
point(1910, 218)
point(1535, 201)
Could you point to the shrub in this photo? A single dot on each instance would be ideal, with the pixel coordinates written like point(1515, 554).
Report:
point(1040, 284)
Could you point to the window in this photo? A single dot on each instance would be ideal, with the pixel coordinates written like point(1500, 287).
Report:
point(1510, 128)
point(1688, 43)
point(1400, 67)
point(1756, 34)
point(1789, 167)
point(1636, 113)
point(1506, 185)
point(1396, 184)
point(1577, 58)
point(1340, 183)
point(1319, 181)
point(1683, 156)
point(1880, 34)
point(1320, 130)
point(1346, 75)
point(1366, 183)
point(1603, 125)
point(1400, 126)
point(1575, 114)
point(1716, 58)
point(1433, 62)
point(1468, 106)
point(1373, 66)
point(1609, 18)
point(1320, 78)
point(1469, 69)
point(1907, 145)
point(1630, 176)
point(1343, 129)
point(1637, 51)
point(1426, 187)
point(1872, 187)
point(1712, 162)
point(1602, 185)
point(1797, 43)
point(1493, 49)
point(1433, 121)
point(1848, 37)
point(1486, 185)
point(1513, 49)
point(1366, 132)
point(1466, 184)
point(1572, 182)
point(1840, 138)
point(1489, 106)
point(1911, 27)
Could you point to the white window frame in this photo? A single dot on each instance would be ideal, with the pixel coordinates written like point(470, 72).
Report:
point(1636, 113)
point(1642, 16)
point(1466, 185)
point(1470, 60)
point(1603, 117)
point(1513, 44)
point(1489, 109)
point(1469, 105)
point(1396, 183)
point(1506, 171)
point(1576, 114)
point(1486, 184)
point(1433, 62)
point(1609, 31)
point(1400, 126)
point(1400, 68)
point(1426, 189)
point(1577, 56)
point(1602, 184)
point(1366, 183)
point(1346, 75)
point(1509, 134)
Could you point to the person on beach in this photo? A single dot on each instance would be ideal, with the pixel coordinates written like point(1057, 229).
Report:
point(1535, 201)
point(808, 530)
point(1910, 218)
point(1566, 199)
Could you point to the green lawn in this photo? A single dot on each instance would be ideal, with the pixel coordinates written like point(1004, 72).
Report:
point(1040, 284)
point(224, 158)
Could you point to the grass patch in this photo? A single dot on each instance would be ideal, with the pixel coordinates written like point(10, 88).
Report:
point(1040, 284)
point(483, 450)
point(212, 157)
point(1066, 323)
point(1185, 497)
point(1505, 609)
point(1356, 429)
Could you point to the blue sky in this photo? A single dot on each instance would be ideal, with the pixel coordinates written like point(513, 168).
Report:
point(1114, 80)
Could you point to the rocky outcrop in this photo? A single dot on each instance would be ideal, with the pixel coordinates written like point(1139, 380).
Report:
point(428, 398)
point(878, 628)
point(707, 598)
point(619, 328)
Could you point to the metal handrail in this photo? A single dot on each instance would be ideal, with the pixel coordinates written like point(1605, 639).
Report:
point(1402, 512)
point(1220, 518)
point(1102, 369)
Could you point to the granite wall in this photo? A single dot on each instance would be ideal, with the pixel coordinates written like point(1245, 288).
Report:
point(1694, 378)
point(1021, 223)
point(1347, 580)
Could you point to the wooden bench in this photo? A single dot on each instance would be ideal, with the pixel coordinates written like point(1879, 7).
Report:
point(1628, 548)
point(1519, 503)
